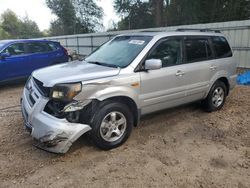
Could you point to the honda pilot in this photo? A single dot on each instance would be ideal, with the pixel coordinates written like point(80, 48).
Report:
point(127, 77)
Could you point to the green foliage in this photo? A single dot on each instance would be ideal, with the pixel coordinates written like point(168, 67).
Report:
point(3, 34)
point(135, 14)
point(11, 24)
point(29, 29)
point(195, 11)
point(13, 27)
point(65, 12)
point(154, 13)
point(56, 28)
point(74, 16)
point(89, 14)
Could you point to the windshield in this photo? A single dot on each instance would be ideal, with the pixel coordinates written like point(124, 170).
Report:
point(119, 52)
point(1, 45)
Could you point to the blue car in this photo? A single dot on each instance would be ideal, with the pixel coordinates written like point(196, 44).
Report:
point(19, 58)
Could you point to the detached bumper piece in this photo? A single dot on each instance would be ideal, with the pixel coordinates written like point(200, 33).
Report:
point(51, 133)
point(56, 135)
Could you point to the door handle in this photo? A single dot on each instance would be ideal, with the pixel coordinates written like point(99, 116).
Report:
point(213, 67)
point(179, 73)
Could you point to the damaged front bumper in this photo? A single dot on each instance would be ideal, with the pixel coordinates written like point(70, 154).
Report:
point(53, 134)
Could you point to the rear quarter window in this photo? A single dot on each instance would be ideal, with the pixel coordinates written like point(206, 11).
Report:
point(53, 46)
point(221, 47)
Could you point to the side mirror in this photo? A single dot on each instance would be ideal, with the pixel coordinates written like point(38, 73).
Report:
point(4, 55)
point(153, 64)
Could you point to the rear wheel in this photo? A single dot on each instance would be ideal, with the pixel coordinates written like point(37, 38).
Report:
point(111, 125)
point(216, 97)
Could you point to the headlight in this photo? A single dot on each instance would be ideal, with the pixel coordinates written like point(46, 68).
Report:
point(28, 84)
point(66, 92)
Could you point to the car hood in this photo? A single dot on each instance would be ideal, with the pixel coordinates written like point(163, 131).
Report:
point(74, 71)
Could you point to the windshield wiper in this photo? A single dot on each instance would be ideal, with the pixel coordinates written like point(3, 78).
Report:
point(103, 64)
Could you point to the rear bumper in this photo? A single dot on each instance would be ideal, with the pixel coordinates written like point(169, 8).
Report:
point(53, 134)
point(233, 81)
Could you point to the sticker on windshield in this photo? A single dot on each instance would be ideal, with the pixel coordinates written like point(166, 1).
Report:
point(137, 42)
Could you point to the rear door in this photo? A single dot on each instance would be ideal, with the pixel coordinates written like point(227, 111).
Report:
point(198, 55)
point(16, 64)
point(164, 87)
point(223, 61)
point(39, 55)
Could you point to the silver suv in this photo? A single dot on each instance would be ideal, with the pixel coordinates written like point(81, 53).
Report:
point(129, 76)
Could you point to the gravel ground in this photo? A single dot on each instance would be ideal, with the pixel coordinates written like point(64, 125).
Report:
point(181, 147)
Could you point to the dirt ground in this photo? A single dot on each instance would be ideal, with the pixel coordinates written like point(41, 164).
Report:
point(181, 147)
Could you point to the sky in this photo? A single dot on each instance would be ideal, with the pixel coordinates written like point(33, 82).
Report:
point(37, 11)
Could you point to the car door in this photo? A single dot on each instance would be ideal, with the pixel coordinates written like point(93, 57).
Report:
point(39, 55)
point(15, 65)
point(223, 61)
point(165, 87)
point(198, 55)
point(58, 53)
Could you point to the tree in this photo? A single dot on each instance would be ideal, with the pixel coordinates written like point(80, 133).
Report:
point(3, 34)
point(13, 27)
point(29, 29)
point(88, 14)
point(135, 14)
point(74, 16)
point(158, 8)
point(11, 24)
point(56, 28)
point(180, 12)
point(65, 12)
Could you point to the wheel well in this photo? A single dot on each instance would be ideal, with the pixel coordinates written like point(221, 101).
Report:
point(130, 103)
point(225, 81)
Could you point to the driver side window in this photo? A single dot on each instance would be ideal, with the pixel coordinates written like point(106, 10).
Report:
point(15, 49)
point(168, 51)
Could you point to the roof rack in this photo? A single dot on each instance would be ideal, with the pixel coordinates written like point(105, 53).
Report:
point(199, 30)
point(151, 31)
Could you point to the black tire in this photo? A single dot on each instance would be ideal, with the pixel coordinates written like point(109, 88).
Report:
point(70, 58)
point(208, 103)
point(105, 109)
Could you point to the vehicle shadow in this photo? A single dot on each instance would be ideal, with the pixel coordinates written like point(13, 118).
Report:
point(145, 123)
point(12, 84)
point(190, 107)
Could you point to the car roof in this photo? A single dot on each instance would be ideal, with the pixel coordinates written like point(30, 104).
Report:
point(22, 40)
point(173, 33)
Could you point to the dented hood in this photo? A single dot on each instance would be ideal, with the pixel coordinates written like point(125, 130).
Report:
point(75, 71)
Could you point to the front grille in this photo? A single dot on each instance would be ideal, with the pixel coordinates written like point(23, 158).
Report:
point(31, 99)
point(45, 91)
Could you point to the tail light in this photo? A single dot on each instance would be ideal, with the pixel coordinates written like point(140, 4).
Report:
point(65, 50)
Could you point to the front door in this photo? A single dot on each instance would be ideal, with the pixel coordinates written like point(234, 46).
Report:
point(165, 87)
point(13, 66)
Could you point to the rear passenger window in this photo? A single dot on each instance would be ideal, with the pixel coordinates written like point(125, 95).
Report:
point(37, 47)
point(197, 50)
point(221, 47)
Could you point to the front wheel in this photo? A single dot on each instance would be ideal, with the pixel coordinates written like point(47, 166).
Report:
point(216, 97)
point(111, 125)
